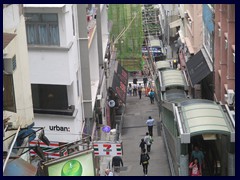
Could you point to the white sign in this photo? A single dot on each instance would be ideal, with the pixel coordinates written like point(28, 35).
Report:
point(107, 148)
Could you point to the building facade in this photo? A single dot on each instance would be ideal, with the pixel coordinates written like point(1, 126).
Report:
point(224, 50)
point(65, 67)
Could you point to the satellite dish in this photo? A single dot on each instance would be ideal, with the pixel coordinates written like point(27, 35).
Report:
point(111, 103)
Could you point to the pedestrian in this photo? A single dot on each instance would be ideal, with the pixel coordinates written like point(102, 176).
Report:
point(145, 79)
point(134, 89)
point(144, 161)
point(142, 145)
point(116, 162)
point(195, 168)
point(147, 90)
point(135, 81)
point(140, 90)
point(196, 153)
point(151, 96)
point(108, 172)
point(130, 89)
point(148, 141)
point(150, 123)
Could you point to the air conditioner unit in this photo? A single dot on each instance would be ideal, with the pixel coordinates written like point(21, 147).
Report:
point(233, 57)
point(230, 96)
point(226, 43)
point(219, 32)
point(226, 98)
point(186, 14)
point(9, 65)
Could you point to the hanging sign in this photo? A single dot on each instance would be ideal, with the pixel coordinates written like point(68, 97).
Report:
point(107, 148)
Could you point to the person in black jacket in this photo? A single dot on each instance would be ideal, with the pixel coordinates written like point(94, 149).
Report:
point(116, 162)
point(144, 161)
point(142, 144)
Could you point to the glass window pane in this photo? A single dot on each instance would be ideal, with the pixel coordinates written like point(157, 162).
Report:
point(49, 18)
point(31, 34)
point(53, 34)
point(30, 17)
point(50, 97)
point(43, 34)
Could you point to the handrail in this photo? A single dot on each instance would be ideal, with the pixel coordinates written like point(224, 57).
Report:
point(10, 150)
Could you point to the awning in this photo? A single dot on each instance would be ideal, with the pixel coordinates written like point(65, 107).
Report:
point(170, 78)
point(200, 117)
point(199, 66)
point(120, 82)
point(19, 167)
point(44, 5)
point(189, 45)
point(7, 38)
point(163, 65)
point(175, 23)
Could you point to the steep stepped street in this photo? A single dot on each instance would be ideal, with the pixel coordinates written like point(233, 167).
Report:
point(133, 129)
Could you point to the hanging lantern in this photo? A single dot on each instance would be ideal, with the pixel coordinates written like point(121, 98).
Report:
point(106, 129)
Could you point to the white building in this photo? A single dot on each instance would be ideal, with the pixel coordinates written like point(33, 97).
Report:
point(66, 51)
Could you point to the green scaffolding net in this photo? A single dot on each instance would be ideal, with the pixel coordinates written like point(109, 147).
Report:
point(127, 34)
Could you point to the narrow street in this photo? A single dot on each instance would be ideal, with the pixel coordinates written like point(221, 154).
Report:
point(134, 128)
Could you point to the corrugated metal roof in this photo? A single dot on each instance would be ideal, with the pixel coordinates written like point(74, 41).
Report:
point(204, 117)
point(175, 95)
point(163, 64)
point(172, 78)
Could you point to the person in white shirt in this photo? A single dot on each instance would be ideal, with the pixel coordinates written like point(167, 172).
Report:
point(150, 123)
point(134, 89)
point(140, 90)
point(148, 141)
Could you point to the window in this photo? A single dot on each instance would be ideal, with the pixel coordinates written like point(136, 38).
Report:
point(42, 29)
point(51, 97)
point(8, 93)
point(208, 41)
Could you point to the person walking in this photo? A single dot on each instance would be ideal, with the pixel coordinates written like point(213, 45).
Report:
point(140, 90)
point(142, 144)
point(151, 96)
point(144, 161)
point(150, 123)
point(130, 89)
point(134, 89)
point(196, 153)
point(195, 168)
point(148, 141)
point(145, 79)
point(116, 162)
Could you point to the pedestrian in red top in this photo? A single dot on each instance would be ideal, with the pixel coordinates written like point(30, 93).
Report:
point(195, 168)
